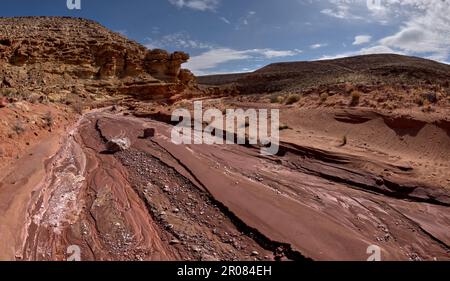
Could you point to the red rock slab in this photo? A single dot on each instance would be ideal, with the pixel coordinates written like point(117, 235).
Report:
point(341, 228)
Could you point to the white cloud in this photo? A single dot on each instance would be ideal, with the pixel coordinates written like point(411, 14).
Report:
point(318, 45)
point(179, 40)
point(382, 11)
point(225, 20)
point(428, 32)
point(246, 20)
point(199, 5)
point(214, 55)
point(424, 25)
point(269, 53)
point(342, 12)
point(208, 60)
point(346, 9)
point(213, 58)
point(377, 49)
point(362, 39)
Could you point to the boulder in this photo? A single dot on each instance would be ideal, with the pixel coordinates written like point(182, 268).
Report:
point(164, 66)
point(118, 144)
point(149, 133)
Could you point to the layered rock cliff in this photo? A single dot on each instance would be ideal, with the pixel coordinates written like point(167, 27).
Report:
point(56, 57)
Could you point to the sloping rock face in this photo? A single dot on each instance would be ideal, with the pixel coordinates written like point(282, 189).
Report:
point(57, 56)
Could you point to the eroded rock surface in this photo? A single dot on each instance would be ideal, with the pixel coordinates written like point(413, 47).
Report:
point(59, 57)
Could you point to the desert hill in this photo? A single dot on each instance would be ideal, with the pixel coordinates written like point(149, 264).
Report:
point(368, 69)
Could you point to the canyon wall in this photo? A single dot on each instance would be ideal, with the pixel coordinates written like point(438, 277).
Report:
point(56, 57)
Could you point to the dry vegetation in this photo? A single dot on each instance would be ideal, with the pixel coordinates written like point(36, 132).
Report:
point(387, 82)
point(356, 96)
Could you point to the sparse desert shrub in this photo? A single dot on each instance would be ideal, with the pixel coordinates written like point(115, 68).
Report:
point(18, 127)
point(48, 119)
point(34, 98)
point(44, 100)
point(420, 101)
point(78, 107)
point(276, 99)
point(292, 98)
point(323, 97)
point(75, 102)
point(283, 127)
point(11, 94)
point(356, 96)
point(348, 88)
point(344, 140)
point(281, 99)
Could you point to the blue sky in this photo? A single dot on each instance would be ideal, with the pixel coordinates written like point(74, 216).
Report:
point(242, 35)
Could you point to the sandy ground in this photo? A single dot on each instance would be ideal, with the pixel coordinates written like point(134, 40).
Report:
point(159, 201)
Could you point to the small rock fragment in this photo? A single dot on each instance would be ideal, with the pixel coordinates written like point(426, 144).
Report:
point(174, 242)
point(118, 144)
point(149, 133)
point(196, 249)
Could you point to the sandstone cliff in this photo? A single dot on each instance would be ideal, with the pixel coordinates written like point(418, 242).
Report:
point(58, 58)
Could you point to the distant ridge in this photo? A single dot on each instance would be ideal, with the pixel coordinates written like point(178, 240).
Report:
point(378, 68)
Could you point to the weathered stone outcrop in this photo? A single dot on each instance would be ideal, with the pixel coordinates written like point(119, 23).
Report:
point(51, 55)
point(163, 65)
